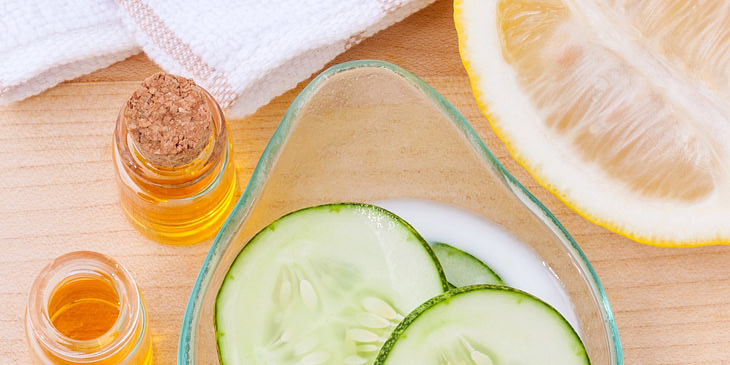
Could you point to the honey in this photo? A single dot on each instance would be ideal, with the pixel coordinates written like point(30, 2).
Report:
point(84, 308)
point(182, 204)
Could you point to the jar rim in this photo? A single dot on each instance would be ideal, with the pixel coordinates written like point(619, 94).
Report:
point(84, 264)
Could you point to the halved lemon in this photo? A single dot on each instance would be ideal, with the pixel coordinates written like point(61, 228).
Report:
point(619, 107)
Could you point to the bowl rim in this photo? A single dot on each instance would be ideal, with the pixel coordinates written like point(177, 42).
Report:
point(268, 157)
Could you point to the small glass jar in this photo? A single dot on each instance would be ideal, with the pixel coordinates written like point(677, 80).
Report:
point(85, 308)
point(180, 205)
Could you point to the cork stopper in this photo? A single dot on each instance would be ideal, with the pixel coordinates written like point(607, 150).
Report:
point(169, 120)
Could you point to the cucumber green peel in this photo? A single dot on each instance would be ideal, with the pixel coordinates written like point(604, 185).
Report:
point(325, 284)
point(461, 268)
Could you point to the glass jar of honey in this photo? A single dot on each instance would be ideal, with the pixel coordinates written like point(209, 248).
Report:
point(85, 308)
point(168, 200)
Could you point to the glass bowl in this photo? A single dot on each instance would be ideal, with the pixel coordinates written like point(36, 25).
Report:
point(366, 131)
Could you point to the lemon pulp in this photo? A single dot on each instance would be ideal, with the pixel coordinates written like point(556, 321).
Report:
point(620, 108)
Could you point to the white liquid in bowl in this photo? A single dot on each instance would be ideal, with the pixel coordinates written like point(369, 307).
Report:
point(515, 262)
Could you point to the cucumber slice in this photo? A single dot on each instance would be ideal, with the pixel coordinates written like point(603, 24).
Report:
point(484, 325)
point(325, 284)
point(463, 269)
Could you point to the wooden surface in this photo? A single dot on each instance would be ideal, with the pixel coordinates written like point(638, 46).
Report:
point(58, 194)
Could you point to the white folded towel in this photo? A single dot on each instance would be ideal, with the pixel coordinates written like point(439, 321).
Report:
point(45, 42)
point(244, 52)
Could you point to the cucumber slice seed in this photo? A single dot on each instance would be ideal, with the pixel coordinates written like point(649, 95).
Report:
point(461, 268)
point(484, 325)
point(325, 284)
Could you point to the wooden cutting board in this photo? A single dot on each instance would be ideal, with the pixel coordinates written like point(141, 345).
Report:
point(58, 194)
